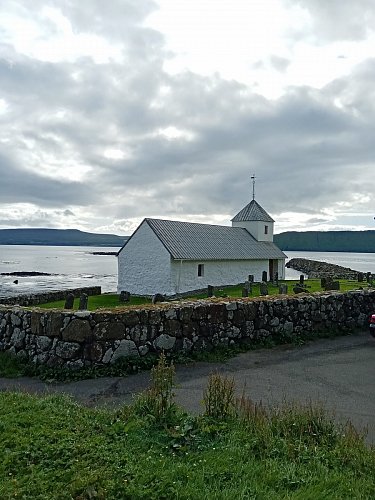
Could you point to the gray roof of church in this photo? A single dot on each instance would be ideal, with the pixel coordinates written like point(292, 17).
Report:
point(192, 241)
point(253, 212)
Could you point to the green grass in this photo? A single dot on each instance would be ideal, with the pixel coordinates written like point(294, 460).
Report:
point(52, 448)
point(110, 301)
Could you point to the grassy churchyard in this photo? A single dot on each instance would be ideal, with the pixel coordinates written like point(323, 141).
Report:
point(109, 300)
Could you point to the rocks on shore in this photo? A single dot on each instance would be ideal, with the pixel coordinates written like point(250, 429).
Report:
point(25, 273)
point(318, 269)
point(103, 253)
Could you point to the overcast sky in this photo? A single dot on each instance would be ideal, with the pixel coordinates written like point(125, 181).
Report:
point(115, 111)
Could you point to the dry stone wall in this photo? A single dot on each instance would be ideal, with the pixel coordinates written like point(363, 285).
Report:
point(83, 338)
point(42, 298)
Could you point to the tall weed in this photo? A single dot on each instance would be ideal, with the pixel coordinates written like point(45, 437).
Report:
point(219, 397)
point(157, 401)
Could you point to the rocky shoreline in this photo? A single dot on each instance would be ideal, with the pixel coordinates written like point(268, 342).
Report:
point(26, 273)
point(318, 269)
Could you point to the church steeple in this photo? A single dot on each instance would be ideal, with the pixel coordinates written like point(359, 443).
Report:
point(252, 212)
point(256, 220)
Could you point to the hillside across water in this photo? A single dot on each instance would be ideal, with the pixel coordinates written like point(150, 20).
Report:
point(59, 237)
point(327, 241)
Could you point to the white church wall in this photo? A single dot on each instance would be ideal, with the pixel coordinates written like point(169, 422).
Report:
point(281, 268)
point(185, 277)
point(144, 264)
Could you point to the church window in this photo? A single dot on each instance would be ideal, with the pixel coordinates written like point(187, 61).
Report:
point(200, 270)
point(265, 229)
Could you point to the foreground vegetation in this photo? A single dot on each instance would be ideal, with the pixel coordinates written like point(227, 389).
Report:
point(52, 448)
point(112, 300)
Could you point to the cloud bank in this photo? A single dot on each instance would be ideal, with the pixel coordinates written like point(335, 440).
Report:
point(96, 133)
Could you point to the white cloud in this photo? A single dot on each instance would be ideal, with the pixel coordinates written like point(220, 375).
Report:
point(117, 111)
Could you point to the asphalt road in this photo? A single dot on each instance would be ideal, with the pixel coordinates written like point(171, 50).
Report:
point(339, 373)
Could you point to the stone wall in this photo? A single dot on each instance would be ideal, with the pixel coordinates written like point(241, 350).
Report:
point(83, 338)
point(42, 298)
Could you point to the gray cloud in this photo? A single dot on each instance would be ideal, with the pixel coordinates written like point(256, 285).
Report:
point(18, 185)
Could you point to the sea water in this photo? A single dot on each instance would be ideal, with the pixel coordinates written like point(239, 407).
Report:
point(68, 266)
point(75, 267)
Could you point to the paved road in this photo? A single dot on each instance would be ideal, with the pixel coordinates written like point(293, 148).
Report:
point(340, 373)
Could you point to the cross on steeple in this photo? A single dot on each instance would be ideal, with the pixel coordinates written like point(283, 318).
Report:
point(253, 180)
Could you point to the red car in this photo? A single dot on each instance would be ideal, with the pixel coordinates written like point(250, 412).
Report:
point(372, 325)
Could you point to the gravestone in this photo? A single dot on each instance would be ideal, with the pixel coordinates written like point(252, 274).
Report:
point(249, 287)
point(283, 289)
point(263, 288)
point(210, 291)
point(69, 301)
point(264, 276)
point(251, 278)
point(360, 277)
point(328, 283)
point(158, 297)
point(302, 279)
point(245, 292)
point(83, 301)
point(332, 285)
point(299, 289)
point(124, 296)
point(275, 280)
point(323, 282)
point(368, 277)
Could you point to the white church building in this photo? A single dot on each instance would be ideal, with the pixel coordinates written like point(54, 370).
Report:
point(172, 257)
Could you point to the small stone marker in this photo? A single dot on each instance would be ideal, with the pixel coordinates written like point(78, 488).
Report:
point(264, 276)
point(251, 278)
point(69, 301)
point(158, 297)
point(83, 301)
point(299, 289)
point(332, 285)
point(249, 287)
point(124, 296)
point(263, 288)
point(210, 291)
point(245, 292)
point(283, 289)
point(302, 279)
point(360, 277)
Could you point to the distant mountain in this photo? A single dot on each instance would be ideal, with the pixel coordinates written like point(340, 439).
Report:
point(59, 237)
point(327, 241)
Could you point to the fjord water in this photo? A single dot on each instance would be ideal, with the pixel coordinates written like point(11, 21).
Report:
point(70, 267)
point(74, 267)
